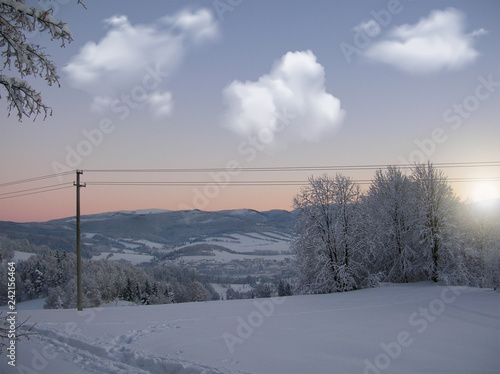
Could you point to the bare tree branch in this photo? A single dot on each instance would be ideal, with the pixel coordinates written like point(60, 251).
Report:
point(5, 331)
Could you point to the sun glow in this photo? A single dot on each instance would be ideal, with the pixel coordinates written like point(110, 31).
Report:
point(486, 191)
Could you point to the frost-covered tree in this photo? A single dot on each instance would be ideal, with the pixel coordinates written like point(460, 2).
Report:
point(327, 241)
point(128, 293)
point(37, 280)
point(55, 299)
point(263, 290)
point(284, 288)
point(437, 205)
point(146, 294)
point(391, 225)
point(197, 292)
point(22, 58)
point(92, 293)
point(479, 248)
point(179, 292)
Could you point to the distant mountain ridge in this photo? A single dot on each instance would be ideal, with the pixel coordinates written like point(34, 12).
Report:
point(162, 227)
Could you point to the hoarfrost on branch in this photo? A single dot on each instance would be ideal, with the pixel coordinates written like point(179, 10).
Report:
point(16, 19)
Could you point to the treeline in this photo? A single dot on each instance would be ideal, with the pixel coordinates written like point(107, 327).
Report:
point(9, 246)
point(261, 290)
point(52, 274)
point(405, 228)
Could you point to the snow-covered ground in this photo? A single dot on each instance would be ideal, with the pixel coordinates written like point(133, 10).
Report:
point(224, 257)
point(221, 289)
point(272, 246)
point(133, 258)
point(21, 256)
point(417, 328)
point(249, 242)
point(150, 244)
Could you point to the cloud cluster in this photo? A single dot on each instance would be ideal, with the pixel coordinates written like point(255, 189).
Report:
point(290, 104)
point(127, 55)
point(435, 43)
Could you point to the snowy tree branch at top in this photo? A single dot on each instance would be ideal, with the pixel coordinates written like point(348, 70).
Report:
point(23, 97)
point(16, 18)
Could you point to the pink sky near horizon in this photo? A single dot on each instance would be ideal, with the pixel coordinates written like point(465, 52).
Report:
point(99, 199)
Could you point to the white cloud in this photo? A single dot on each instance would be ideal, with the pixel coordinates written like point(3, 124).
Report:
point(289, 104)
point(161, 103)
point(477, 33)
point(120, 64)
point(435, 43)
point(198, 26)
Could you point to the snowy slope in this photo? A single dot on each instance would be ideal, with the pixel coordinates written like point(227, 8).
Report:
point(244, 230)
point(418, 328)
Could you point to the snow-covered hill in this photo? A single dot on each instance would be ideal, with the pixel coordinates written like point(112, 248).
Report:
point(415, 328)
point(137, 235)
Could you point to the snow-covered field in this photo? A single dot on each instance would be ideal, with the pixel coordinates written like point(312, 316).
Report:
point(224, 257)
point(221, 289)
point(417, 328)
point(21, 256)
point(247, 246)
point(250, 242)
point(133, 258)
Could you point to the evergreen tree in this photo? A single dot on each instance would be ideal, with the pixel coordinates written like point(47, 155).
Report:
point(37, 280)
point(146, 294)
point(281, 288)
point(263, 290)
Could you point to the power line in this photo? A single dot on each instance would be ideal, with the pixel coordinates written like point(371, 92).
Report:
point(296, 168)
point(257, 183)
point(35, 179)
point(44, 189)
point(32, 189)
point(34, 193)
point(184, 183)
point(253, 183)
point(259, 169)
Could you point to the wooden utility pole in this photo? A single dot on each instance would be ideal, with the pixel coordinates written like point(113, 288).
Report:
point(79, 282)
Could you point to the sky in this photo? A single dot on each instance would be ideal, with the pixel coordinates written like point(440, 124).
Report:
point(227, 91)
